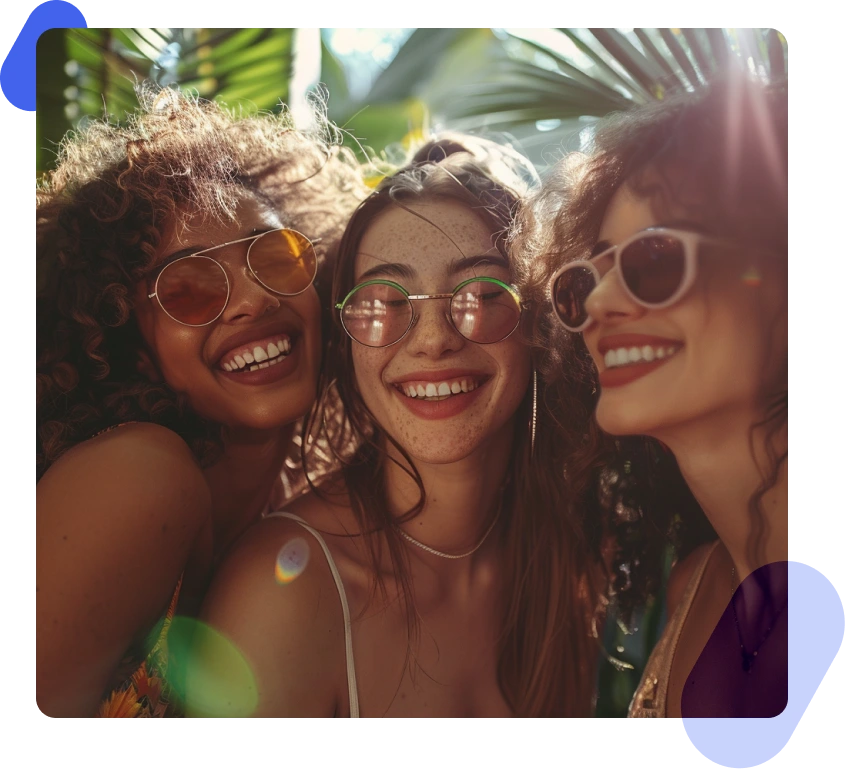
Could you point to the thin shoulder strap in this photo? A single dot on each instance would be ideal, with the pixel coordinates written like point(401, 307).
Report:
point(347, 623)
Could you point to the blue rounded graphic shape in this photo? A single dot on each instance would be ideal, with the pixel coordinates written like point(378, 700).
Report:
point(816, 625)
point(17, 75)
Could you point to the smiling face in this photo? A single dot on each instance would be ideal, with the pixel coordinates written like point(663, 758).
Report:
point(711, 354)
point(226, 368)
point(439, 395)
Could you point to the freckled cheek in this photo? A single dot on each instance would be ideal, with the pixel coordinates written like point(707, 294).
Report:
point(368, 366)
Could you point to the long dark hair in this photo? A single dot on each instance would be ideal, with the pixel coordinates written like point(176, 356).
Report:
point(546, 654)
point(720, 154)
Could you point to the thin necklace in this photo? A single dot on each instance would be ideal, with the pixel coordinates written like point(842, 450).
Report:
point(449, 555)
point(747, 656)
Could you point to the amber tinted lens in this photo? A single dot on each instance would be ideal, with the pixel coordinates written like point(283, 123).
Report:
point(570, 293)
point(284, 261)
point(653, 267)
point(377, 315)
point(193, 290)
point(484, 312)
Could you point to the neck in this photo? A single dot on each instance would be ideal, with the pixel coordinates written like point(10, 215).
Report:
point(462, 498)
point(242, 479)
point(724, 465)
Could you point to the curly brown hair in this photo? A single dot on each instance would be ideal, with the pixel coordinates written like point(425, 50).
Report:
point(101, 217)
point(719, 154)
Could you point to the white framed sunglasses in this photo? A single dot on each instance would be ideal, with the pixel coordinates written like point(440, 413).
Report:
point(656, 268)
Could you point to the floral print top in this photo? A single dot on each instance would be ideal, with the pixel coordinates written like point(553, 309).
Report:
point(144, 691)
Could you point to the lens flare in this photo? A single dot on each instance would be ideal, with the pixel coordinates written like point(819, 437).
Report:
point(208, 672)
point(292, 560)
point(751, 277)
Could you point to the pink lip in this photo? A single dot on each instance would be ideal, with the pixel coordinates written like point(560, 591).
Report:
point(440, 375)
point(254, 336)
point(262, 376)
point(616, 341)
point(444, 409)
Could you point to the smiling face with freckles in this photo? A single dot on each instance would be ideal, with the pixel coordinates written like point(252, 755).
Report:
point(256, 365)
point(441, 396)
point(709, 356)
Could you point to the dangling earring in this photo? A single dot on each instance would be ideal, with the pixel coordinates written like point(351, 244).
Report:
point(534, 413)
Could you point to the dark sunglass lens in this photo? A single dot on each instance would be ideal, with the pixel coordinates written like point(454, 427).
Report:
point(377, 315)
point(571, 290)
point(193, 290)
point(284, 261)
point(484, 312)
point(653, 267)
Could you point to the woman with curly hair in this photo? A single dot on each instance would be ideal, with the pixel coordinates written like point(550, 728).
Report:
point(664, 254)
point(447, 570)
point(179, 340)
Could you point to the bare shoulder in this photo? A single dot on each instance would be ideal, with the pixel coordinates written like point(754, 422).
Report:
point(682, 573)
point(275, 599)
point(117, 519)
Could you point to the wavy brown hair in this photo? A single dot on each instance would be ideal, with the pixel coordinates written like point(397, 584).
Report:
point(719, 154)
point(546, 654)
point(101, 216)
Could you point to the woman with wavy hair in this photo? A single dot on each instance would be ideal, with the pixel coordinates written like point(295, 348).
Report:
point(664, 255)
point(447, 570)
point(179, 340)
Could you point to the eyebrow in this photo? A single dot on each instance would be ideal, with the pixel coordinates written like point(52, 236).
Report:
point(402, 270)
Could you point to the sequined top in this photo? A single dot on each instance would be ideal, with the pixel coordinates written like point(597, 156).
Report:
point(651, 695)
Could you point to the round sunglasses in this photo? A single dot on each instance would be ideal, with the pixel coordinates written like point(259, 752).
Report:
point(379, 313)
point(656, 268)
point(194, 290)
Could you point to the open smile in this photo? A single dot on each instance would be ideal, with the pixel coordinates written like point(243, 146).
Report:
point(628, 357)
point(440, 395)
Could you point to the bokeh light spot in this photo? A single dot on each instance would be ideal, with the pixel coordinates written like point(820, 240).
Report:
point(208, 672)
point(292, 560)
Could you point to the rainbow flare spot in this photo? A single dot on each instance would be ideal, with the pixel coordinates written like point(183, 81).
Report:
point(292, 560)
point(752, 277)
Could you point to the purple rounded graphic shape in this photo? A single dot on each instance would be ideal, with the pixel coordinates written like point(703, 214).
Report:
point(742, 670)
point(816, 624)
point(17, 75)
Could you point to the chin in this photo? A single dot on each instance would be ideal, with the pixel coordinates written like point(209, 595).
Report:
point(623, 419)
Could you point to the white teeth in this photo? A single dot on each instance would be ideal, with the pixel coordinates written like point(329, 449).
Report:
point(259, 354)
point(455, 388)
point(284, 344)
point(410, 392)
point(442, 389)
point(240, 361)
point(227, 367)
point(464, 386)
point(623, 356)
point(430, 391)
point(254, 368)
point(248, 358)
point(420, 391)
point(263, 365)
point(273, 351)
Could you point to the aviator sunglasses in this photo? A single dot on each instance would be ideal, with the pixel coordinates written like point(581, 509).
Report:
point(379, 313)
point(656, 268)
point(194, 290)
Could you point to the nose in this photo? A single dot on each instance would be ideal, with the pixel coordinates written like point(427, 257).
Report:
point(608, 302)
point(432, 334)
point(248, 299)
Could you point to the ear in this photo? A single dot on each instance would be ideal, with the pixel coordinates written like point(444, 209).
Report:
point(147, 367)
